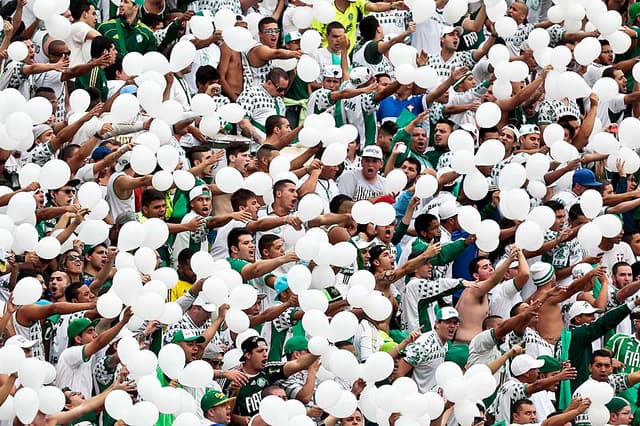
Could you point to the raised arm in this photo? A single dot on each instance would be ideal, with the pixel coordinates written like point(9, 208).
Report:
point(262, 267)
point(107, 336)
point(299, 364)
point(496, 277)
point(28, 314)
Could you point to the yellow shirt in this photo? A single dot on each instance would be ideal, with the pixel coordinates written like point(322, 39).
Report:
point(178, 291)
point(348, 18)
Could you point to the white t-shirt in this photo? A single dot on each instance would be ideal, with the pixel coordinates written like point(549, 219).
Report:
point(76, 42)
point(219, 248)
point(75, 372)
point(503, 297)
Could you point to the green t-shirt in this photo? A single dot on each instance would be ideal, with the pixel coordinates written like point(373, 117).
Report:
point(626, 349)
point(94, 78)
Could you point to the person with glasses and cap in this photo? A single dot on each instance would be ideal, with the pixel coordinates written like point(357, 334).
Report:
point(262, 100)
point(620, 412)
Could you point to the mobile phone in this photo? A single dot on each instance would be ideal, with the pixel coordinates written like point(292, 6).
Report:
point(20, 258)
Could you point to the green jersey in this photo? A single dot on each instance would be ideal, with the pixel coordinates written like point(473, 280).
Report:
point(626, 349)
point(129, 38)
point(94, 78)
point(249, 396)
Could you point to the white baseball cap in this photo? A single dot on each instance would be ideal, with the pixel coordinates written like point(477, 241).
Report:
point(21, 341)
point(581, 307)
point(372, 151)
point(447, 312)
point(200, 301)
point(523, 363)
point(448, 210)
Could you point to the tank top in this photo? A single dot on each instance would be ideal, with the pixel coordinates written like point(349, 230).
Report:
point(34, 332)
point(359, 60)
point(254, 75)
point(116, 204)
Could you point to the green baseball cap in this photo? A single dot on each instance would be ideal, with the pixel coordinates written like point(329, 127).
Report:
point(550, 364)
point(296, 343)
point(458, 354)
point(138, 3)
point(187, 336)
point(213, 399)
point(78, 325)
point(634, 12)
point(616, 404)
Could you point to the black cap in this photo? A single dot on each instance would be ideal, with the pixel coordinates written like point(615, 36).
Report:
point(376, 251)
point(250, 344)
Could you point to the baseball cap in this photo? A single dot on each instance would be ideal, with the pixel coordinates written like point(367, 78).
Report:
point(100, 152)
point(372, 151)
point(72, 183)
point(617, 403)
point(200, 301)
point(296, 343)
point(458, 354)
point(40, 129)
point(550, 364)
point(447, 312)
point(359, 75)
point(448, 210)
point(20, 341)
point(581, 307)
point(523, 363)
point(281, 284)
point(331, 71)
point(125, 217)
point(199, 191)
point(78, 325)
point(634, 12)
point(123, 162)
point(292, 36)
point(361, 243)
point(250, 344)
point(579, 270)
point(448, 29)
point(528, 129)
point(138, 3)
point(585, 177)
point(187, 336)
point(213, 399)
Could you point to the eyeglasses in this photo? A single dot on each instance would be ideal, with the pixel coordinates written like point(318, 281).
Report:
point(272, 31)
point(68, 191)
point(74, 257)
point(279, 89)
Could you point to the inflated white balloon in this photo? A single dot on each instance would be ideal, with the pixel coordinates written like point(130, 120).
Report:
point(324, 11)
point(17, 51)
point(395, 181)
point(182, 55)
point(334, 154)
point(308, 69)
point(48, 248)
point(148, 306)
point(609, 224)
point(26, 403)
point(201, 27)
point(238, 38)
point(237, 320)
point(232, 112)
point(58, 27)
point(488, 114)
point(171, 359)
point(125, 108)
point(51, 400)
point(109, 305)
point(538, 39)
point(426, 186)
point(606, 88)
point(27, 291)
point(229, 180)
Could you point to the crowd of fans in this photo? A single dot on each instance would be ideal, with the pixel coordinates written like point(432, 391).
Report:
point(319, 212)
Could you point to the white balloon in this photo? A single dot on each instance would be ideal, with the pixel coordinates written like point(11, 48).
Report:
point(323, 11)
point(378, 366)
point(182, 55)
point(184, 180)
point(238, 38)
point(334, 154)
point(27, 291)
point(171, 359)
point(26, 403)
point(538, 39)
point(109, 305)
point(315, 323)
point(377, 307)
point(488, 115)
point(587, 50)
point(506, 26)
point(58, 27)
point(125, 108)
point(609, 224)
point(310, 207)
point(396, 181)
point(54, 174)
point(51, 400)
point(308, 69)
point(606, 88)
point(201, 27)
point(231, 113)
point(310, 41)
point(529, 236)
point(229, 180)
point(243, 297)
point(48, 248)
point(237, 320)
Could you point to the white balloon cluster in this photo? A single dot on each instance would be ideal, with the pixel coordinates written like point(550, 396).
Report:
point(383, 214)
point(34, 375)
point(465, 390)
point(599, 393)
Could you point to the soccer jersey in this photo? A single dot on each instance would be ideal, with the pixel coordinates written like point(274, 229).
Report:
point(510, 392)
point(359, 111)
point(457, 60)
point(348, 18)
point(367, 55)
point(420, 299)
point(617, 381)
point(425, 355)
point(254, 75)
point(357, 187)
point(320, 101)
point(259, 105)
point(626, 349)
point(249, 395)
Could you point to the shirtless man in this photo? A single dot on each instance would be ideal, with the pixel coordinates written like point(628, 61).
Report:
point(473, 304)
point(257, 61)
point(230, 68)
point(382, 265)
point(550, 324)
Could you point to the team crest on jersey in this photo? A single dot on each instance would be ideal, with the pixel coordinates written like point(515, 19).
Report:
point(139, 38)
point(351, 16)
point(262, 382)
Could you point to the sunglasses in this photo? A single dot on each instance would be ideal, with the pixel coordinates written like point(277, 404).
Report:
point(65, 53)
point(278, 88)
point(74, 257)
point(68, 191)
point(272, 31)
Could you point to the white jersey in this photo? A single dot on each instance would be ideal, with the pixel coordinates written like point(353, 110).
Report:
point(353, 184)
point(359, 111)
point(33, 332)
